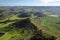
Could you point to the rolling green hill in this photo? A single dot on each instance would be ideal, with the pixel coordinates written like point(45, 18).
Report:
point(28, 24)
point(48, 24)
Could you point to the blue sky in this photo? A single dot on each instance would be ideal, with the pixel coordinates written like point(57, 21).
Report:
point(29, 2)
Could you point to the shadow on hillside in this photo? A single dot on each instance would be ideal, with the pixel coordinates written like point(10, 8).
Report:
point(37, 34)
point(25, 24)
point(1, 34)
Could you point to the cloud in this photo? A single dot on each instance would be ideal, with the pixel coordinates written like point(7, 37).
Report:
point(48, 2)
point(42, 3)
point(31, 2)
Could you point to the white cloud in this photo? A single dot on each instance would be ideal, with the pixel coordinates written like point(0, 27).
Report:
point(47, 2)
point(33, 3)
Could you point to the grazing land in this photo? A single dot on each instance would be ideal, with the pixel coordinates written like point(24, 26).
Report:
point(29, 23)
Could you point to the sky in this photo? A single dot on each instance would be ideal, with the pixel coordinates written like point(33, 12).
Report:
point(29, 2)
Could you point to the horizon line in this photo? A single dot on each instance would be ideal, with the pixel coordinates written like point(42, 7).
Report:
point(39, 5)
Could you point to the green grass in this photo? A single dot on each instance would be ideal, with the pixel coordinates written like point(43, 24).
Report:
point(48, 24)
point(13, 32)
point(5, 25)
point(45, 23)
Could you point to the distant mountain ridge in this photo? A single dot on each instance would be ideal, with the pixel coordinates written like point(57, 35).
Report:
point(52, 9)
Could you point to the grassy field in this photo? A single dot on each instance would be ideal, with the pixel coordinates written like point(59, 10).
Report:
point(48, 24)
point(11, 26)
point(12, 33)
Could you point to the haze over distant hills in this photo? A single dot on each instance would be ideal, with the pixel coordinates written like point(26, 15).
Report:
point(51, 9)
